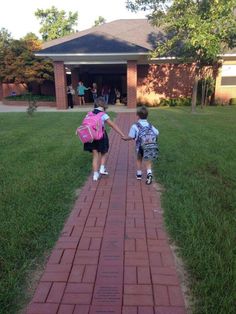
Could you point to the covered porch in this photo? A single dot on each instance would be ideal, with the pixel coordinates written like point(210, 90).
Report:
point(115, 74)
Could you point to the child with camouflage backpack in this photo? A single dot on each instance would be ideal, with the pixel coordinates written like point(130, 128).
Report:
point(145, 136)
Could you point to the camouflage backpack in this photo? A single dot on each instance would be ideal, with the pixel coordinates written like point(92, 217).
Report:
point(147, 140)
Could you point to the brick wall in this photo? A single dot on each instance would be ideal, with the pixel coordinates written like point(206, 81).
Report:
point(8, 88)
point(164, 81)
point(60, 85)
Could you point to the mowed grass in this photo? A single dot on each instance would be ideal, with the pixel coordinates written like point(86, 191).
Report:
point(42, 164)
point(197, 167)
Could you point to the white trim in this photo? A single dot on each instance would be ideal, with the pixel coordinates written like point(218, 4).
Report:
point(89, 54)
point(95, 62)
point(228, 55)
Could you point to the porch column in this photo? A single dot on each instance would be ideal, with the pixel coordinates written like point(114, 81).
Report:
point(60, 84)
point(132, 84)
point(1, 91)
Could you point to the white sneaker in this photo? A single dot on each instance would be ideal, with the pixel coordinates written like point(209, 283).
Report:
point(95, 176)
point(104, 172)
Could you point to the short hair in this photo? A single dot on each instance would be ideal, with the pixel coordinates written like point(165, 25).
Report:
point(142, 112)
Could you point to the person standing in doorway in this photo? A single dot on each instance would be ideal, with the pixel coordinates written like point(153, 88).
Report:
point(70, 93)
point(81, 92)
point(94, 91)
point(105, 93)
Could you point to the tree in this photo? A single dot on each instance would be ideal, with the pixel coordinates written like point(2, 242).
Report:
point(55, 24)
point(20, 65)
point(5, 39)
point(101, 20)
point(198, 31)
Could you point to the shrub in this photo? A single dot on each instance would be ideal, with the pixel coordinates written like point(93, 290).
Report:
point(232, 101)
point(29, 97)
point(172, 102)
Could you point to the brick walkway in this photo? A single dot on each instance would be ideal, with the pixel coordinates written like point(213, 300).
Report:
point(113, 255)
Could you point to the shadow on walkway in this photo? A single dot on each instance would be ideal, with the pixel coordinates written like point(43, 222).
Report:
point(113, 254)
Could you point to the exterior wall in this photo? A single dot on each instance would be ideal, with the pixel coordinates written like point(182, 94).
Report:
point(224, 93)
point(60, 85)
point(1, 92)
point(164, 81)
point(131, 84)
point(8, 88)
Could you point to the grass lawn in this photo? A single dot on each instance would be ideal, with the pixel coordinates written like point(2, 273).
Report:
point(42, 164)
point(197, 167)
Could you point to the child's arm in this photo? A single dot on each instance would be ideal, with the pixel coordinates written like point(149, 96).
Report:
point(128, 138)
point(115, 127)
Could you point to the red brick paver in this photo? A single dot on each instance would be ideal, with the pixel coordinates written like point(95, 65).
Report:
point(113, 254)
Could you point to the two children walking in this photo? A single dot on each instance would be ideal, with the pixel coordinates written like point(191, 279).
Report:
point(144, 134)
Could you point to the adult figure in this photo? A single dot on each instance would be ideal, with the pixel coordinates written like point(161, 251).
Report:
point(81, 92)
point(105, 93)
point(70, 93)
point(94, 91)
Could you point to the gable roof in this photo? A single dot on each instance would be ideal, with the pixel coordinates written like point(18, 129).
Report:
point(137, 31)
point(128, 38)
point(123, 36)
point(96, 42)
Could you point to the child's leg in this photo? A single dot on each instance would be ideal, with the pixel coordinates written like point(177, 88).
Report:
point(79, 100)
point(103, 163)
point(95, 164)
point(139, 167)
point(148, 164)
point(83, 101)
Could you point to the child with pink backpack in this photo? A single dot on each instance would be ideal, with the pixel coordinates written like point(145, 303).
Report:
point(99, 147)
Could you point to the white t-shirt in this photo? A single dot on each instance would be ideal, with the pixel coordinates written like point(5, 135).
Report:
point(133, 132)
point(104, 117)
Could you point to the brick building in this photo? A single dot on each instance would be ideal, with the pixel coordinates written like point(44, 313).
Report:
point(118, 54)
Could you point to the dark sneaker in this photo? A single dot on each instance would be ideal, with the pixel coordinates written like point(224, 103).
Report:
point(149, 179)
point(138, 176)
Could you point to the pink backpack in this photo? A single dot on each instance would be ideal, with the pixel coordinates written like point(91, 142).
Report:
point(91, 128)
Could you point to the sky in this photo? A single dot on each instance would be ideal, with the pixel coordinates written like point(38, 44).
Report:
point(17, 16)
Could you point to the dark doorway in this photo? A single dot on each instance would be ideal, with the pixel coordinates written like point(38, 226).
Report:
point(113, 76)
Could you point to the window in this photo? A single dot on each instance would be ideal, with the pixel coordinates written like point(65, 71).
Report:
point(228, 77)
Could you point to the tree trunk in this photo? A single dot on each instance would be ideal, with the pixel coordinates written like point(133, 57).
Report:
point(194, 94)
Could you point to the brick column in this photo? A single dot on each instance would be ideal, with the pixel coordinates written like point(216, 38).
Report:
point(132, 84)
point(60, 85)
point(1, 91)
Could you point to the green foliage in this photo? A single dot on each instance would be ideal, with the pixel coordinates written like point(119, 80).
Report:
point(194, 31)
point(172, 102)
point(55, 23)
point(100, 20)
point(19, 64)
point(5, 40)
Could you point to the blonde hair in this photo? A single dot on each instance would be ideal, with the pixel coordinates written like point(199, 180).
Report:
point(100, 102)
